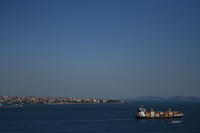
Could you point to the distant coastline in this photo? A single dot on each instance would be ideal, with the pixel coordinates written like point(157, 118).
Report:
point(166, 99)
point(20, 100)
point(54, 100)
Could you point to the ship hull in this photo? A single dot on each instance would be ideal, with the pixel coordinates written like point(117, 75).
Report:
point(171, 117)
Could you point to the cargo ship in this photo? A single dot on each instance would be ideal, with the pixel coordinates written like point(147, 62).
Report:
point(152, 114)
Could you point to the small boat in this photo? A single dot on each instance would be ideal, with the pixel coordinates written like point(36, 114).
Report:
point(175, 122)
point(11, 105)
point(152, 114)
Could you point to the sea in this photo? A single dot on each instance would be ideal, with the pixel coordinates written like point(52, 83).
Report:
point(97, 118)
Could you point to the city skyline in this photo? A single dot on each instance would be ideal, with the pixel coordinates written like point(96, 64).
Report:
point(103, 49)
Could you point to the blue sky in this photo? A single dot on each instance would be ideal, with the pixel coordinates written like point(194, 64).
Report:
point(100, 48)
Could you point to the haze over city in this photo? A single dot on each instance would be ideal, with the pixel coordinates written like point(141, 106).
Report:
point(100, 48)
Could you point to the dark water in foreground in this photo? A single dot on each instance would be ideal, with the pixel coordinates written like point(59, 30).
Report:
point(95, 118)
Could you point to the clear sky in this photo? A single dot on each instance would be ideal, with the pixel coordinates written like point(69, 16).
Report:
point(100, 48)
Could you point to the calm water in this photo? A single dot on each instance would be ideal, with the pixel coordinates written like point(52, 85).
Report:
point(95, 118)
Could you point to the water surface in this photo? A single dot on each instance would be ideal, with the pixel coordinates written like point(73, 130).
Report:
point(96, 118)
